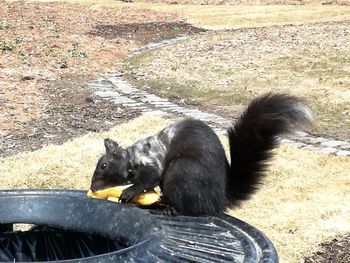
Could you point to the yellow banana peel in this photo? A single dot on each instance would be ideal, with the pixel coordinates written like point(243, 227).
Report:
point(112, 194)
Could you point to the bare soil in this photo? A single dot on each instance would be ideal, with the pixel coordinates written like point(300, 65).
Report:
point(48, 57)
point(336, 250)
point(70, 110)
point(48, 53)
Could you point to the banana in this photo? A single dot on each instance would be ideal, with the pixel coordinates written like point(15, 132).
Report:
point(109, 192)
point(113, 194)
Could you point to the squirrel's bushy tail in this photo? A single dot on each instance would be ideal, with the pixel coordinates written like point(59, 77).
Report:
point(255, 135)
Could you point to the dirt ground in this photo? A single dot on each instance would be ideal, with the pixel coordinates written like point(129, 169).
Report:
point(334, 251)
point(48, 57)
point(70, 111)
point(50, 51)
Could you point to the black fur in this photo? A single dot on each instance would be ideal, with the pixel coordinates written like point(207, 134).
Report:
point(188, 161)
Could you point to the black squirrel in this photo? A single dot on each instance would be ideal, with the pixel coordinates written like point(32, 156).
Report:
point(188, 161)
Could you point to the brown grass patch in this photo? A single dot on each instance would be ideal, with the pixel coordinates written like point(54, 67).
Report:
point(302, 202)
point(69, 165)
point(225, 70)
point(236, 16)
point(252, 2)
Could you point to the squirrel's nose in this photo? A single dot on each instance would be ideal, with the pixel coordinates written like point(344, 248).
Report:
point(95, 185)
point(92, 188)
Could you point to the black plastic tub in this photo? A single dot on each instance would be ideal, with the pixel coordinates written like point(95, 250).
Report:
point(70, 227)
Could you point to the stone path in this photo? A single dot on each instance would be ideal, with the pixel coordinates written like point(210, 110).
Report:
point(113, 87)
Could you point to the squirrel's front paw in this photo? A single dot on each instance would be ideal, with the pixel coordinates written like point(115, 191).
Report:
point(170, 210)
point(127, 195)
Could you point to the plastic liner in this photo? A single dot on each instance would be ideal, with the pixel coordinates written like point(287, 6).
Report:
point(43, 243)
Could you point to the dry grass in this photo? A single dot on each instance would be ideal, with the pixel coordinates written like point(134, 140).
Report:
point(237, 16)
point(303, 201)
point(225, 70)
point(252, 2)
point(223, 17)
point(69, 165)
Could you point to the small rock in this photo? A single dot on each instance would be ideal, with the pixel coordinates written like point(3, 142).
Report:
point(342, 153)
point(301, 134)
point(328, 150)
point(89, 100)
point(317, 140)
point(333, 143)
point(24, 78)
point(345, 146)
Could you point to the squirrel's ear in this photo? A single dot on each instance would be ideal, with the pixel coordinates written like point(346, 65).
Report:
point(111, 146)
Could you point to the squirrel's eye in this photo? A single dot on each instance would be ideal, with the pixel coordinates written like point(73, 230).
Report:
point(103, 166)
point(130, 174)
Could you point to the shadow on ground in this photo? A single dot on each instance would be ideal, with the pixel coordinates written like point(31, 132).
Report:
point(144, 33)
